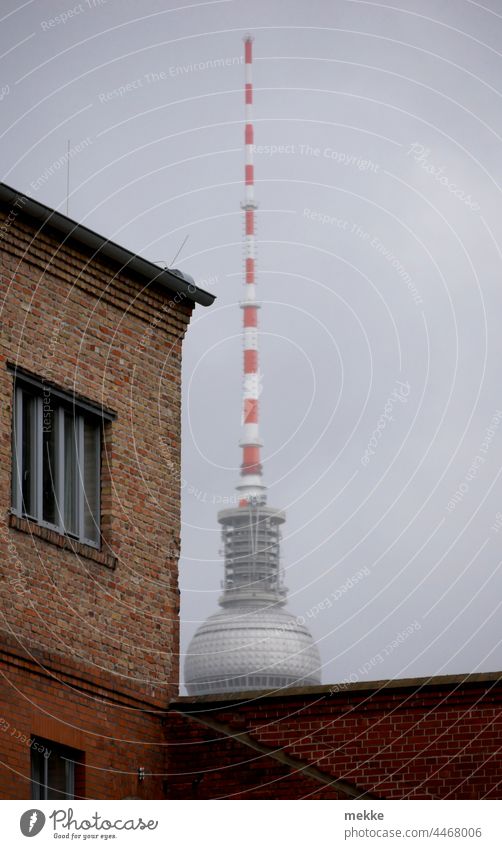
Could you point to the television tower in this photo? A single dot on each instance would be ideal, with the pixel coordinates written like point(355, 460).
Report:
point(253, 644)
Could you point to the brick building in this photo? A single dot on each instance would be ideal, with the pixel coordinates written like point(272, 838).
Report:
point(436, 738)
point(90, 376)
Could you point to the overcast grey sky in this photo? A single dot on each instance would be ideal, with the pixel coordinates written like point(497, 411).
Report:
point(379, 256)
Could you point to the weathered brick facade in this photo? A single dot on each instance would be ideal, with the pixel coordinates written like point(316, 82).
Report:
point(108, 617)
point(438, 738)
point(118, 729)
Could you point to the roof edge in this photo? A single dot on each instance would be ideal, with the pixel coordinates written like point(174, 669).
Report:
point(191, 702)
point(70, 229)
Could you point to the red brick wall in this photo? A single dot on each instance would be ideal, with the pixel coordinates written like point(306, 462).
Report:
point(77, 321)
point(206, 764)
point(436, 741)
point(41, 696)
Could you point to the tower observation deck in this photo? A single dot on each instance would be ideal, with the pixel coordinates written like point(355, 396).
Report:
point(253, 643)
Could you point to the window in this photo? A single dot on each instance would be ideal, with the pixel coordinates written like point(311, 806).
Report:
point(56, 461)
point(53, 770)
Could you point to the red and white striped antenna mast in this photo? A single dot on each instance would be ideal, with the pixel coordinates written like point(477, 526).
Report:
point(251, 487)
point(253, 639)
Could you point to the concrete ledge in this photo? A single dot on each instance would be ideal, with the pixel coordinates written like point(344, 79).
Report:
point(332, 690)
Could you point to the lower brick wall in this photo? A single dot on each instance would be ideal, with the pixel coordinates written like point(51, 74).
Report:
point(436, 739)
point(204, 764)
point(117, 732)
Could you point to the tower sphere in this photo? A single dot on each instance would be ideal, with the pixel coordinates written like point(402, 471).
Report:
point(253, 643)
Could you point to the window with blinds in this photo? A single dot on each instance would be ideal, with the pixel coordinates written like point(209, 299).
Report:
point(56, 462)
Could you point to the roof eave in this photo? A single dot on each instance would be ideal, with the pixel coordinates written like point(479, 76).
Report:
point(104, 247)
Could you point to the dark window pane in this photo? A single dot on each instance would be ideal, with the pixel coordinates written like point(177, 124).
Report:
point(71, 474)
point(49, 476)
point(57, 783)
point(91, 481)
point(37, 775)
point(52, 771)
point(56, 468)
point(28, 468)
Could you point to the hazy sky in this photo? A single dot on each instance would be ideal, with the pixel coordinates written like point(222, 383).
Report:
point(379, 254)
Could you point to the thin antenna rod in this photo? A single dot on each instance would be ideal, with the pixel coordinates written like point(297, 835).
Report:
point(185, 240)
point(67, 175)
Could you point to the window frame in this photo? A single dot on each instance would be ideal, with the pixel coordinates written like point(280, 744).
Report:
point(40, 787)
point(82, 413)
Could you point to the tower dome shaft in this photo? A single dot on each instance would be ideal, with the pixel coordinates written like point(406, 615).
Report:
point(253, 643)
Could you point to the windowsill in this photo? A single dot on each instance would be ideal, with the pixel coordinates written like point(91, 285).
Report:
point(61, 541)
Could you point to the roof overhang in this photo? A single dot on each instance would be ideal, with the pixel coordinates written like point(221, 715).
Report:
point(102, 247)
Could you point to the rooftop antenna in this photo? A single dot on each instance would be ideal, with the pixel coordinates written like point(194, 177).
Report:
point(185, 240)
point(67, 175)
point(167, 265)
